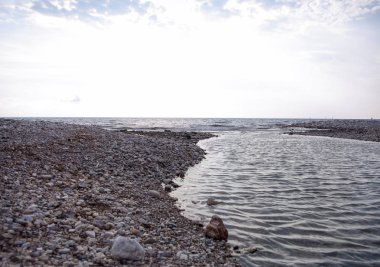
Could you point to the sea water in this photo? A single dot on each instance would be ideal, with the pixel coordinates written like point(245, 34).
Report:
point(300, 200)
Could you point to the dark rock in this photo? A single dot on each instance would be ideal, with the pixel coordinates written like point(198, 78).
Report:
point(175, 185)
point(216, 229)
point(150, 241)
point(212, 202)
point(251, 250)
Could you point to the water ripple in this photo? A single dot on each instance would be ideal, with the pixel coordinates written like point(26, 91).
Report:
point(301, 200)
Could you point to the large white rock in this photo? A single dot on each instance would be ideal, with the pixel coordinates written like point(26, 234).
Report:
point(127, 249)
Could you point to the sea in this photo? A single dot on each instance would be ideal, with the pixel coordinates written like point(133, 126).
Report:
point(299, 200)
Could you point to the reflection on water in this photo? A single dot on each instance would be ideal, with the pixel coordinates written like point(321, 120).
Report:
point(301, 200)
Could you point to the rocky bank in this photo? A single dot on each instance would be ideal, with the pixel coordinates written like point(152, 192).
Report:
point(366, 130)
point(73, 195)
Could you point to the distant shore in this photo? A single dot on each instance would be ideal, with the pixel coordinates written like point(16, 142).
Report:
point(366, 130)
point(67, 191)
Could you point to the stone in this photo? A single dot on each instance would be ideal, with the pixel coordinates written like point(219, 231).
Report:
point(100, 255)
point(7, 236)
point(102, 190)
point(251, 250)
point(70, 243)
point(68, 264)
point(91, 234)
point(63, 250)
point(127, 249)
point(108, 226)
point(150, 241)
point(154, 193)
point(25, 219)
point(182, 256)
point(168, 188)
point(175, 185)
point(31, 209)
point(135, 231)
point(108, 234)
point(216, 229)
point(212, 202)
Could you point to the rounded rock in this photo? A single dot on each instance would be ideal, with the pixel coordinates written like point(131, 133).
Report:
point(216, 229)
point(212, 202)
point(127, 249)
point(154, 193)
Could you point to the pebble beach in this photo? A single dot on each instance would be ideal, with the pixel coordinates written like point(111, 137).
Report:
point(365, 130)
point(73, 195)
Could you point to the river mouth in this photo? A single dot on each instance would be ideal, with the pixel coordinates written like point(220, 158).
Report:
point(300, 200)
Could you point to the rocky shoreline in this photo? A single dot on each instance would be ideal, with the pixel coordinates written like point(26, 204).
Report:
point(69, 192)
point(366, 130)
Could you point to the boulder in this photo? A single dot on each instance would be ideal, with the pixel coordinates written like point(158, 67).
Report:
point(216, 229)
point(127, 249)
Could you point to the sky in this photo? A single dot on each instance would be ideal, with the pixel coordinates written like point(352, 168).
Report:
point(190, 58)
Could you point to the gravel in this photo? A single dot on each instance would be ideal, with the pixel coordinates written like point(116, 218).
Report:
point(67, 192)
point(366, 130)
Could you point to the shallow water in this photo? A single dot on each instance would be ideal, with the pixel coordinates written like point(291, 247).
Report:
point(300, 200)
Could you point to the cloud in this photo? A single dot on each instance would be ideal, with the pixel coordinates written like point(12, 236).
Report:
point(290, 13)
point(85, 10)
point(216, 7)
point(88, 8)
point(268, 14)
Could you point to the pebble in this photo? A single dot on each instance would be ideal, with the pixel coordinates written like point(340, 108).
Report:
point(154, 193)
point(150, 241)
point(175, 185)
point(367, 130)
point(91, 234)
point(182, 256)
point(127, 249)
point(100, 255)
point(63, 250)
point(135, 231)
point(25, 219)
point(70, 243)
point(31, 209)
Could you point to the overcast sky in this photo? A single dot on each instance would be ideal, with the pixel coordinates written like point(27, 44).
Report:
point(190, 58)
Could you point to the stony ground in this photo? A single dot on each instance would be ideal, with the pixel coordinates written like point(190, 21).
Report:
point(67, 192)
point(367, 130)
